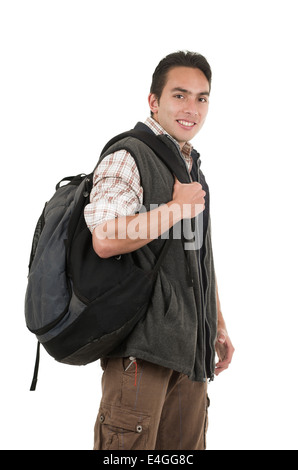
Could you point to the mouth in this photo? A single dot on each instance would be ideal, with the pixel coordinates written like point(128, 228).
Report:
point(186, 124)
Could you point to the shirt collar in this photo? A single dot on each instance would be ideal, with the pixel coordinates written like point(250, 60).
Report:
point(158, 130)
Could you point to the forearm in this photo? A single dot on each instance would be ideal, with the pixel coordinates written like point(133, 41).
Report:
point(220, 320)
point(224, 347)
point(127, 234)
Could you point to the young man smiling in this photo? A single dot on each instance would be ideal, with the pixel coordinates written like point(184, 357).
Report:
point(183, 105)
point(155, 384)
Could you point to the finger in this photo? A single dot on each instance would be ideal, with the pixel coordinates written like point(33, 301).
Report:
point(221, 338)
point(219, 370)
point(220, 367)
point(223, 364)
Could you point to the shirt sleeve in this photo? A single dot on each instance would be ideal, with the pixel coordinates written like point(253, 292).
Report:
point(116, 190)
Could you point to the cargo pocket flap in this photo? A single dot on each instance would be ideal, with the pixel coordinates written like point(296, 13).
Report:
point(129, 420)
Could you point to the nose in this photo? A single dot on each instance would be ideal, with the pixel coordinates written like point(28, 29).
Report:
point(191, 108)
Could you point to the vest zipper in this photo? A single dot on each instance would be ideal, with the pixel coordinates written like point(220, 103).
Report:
point(205, 320)
point(207, 323)
point(203, 303)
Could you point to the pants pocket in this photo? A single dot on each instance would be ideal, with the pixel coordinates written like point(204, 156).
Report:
point(120, 429)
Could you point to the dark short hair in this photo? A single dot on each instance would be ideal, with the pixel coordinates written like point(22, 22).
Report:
point(178, 59)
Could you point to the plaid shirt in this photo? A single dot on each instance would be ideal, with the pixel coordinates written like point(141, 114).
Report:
point(117, 189)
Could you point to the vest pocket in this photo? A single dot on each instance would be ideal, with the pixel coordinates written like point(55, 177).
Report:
point(119, 429)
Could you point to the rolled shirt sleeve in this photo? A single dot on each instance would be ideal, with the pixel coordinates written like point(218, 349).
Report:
point(116, 191)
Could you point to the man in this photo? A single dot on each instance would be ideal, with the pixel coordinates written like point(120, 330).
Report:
point(154, 386)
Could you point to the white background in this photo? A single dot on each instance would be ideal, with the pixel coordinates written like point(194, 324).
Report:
point(75, 73)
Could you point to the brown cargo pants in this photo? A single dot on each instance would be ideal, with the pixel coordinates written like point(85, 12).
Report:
point(148, 407)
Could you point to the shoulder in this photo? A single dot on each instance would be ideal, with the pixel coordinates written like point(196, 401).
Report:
point(115, 164)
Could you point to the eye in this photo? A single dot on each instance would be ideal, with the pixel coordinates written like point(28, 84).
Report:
point(179, 97)
point(203, 100)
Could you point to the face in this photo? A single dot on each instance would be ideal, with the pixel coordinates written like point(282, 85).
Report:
point(183, 105)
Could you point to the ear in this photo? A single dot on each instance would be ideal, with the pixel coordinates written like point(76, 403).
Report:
point(153, 103)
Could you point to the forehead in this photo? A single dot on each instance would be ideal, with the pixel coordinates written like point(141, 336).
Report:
point(191, 79)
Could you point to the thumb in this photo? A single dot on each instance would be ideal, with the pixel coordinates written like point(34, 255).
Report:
point(221, 338)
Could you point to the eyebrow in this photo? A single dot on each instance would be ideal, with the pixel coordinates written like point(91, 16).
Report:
point(182, 90)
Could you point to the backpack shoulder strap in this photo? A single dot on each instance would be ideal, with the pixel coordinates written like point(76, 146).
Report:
point(158, 146)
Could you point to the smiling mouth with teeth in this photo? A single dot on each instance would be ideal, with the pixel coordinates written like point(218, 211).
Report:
point(186, 123)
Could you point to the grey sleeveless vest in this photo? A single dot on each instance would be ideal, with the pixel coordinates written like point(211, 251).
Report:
point(180, 327)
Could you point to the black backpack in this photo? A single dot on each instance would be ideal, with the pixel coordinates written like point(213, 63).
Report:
point(80, 306)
